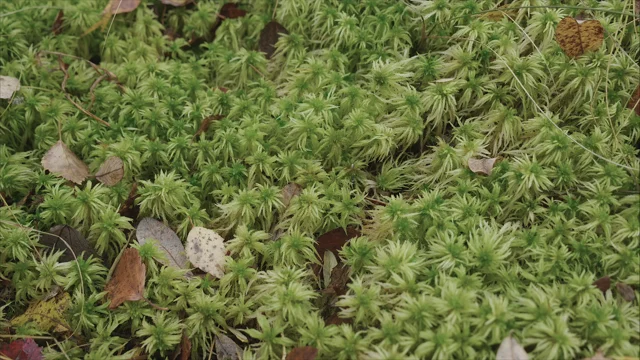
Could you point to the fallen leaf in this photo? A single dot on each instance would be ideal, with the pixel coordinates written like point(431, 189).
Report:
point(482, 166)
point(72, 237)
point(111, 171)
point(127, 283)
point(57, 24)
point(231, 11)
point(176, 3)
point(604, 283)
point(634, 101)
point(335, 319)
point(445, 80)
point(129, 208)
point(329, 263)
point(576, 38)
point(185, 347)
point(23, 349)
point(46, 315)
point(302, 353)
point(227, 349)
point(599, 355)
point(269, 37)
point(626, 291)
point(121, 6)
point(206, 123)
point(510, 349)
point(205, 250)
point(290, 191)
point(335, 239)
point(166, 240)
point(61, 161)
point(339, 278)
point(8, 85)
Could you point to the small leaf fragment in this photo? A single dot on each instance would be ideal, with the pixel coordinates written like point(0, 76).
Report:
point(482, 166)
point(121, 6)
point(8, 85)
point(510, 349)
point(626, 291)
point(634, 101)
point(599, 355)
point(185, 346)
point(46, 315)
point(269, 37)
point(302, 353)
point(61, 161)
point(176, 3)
point(23, 349)
point(227, 349)
point(59, 234)
point(604, 283)
point(127, 282)
point(329, 263)
point(165, 239)
point(335, 239)
point(232, 11)
point(57, 23)
point(290, 191)
point(111, 171)
point(205, 250)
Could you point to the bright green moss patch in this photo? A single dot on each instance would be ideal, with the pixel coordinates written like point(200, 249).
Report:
point(374, 108)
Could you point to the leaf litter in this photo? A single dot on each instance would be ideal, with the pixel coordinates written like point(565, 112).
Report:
point(205, 250)
point(61, 161)
point(127, 282)
point(152, 230)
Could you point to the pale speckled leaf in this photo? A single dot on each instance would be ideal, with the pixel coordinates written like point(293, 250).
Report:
point(205, 250)
point(482, 166)
point(165, 239)
point(290, 191)
point(111, 171)
point(510, 349)
point(8, 85)
point(227, 349)
point(61, 161)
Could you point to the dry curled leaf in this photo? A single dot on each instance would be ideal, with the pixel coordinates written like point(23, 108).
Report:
point(634, 101)
point(127, 283)
point(8, 85)
point(576, 38)
point(482, 166)
point(290, 191)
point(205, 250)
point(165, 239)
point(111, 171)
point(604, 283)
point(57, 23)
point(59, 234)
point(227, 349)
point(269, 37)
point(626, 291)
point(302, 353)
point(335, 239)
point(46, 315)
point(61, 161)
point(510, 349)
point(231, 11)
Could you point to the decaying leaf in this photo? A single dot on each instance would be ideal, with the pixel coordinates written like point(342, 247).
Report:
point(206, 122)
point(127, 282)
point(61, 161)
point(510, 349)
point(23, 349)
point(302, 353)
point(8, 85)
point(576, 38)
point(626, 291)
point(599, 355)
point(290, 191)
point(482, 166)
point(114, 7)
point(328, 264)
point(57, 23)
point(165, 239)
point(498, 14)
point(269, 37)
point(231, 11)
point(335, 239)
point(340, 276)
point(185, 347)
point(205, 250)
point(111, 171)
point(604, 283)
point(72, 237)
point(176, 3)
point(46, 315)
point(634, 101)
point(227, 349)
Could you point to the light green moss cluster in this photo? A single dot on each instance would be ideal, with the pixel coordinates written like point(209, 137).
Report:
point(374, 107)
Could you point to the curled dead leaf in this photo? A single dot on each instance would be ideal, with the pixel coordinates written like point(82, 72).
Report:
point(8, 86)
point(269, 37)
point(576, 38)
point(127, 282)
point(205, 250)
point(634, 101)
point(482, 166)
point(61, 161)
point(111, 171)
point(510, 349)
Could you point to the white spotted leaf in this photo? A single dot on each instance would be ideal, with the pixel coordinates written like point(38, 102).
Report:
point(205, 250)
point(510, 349)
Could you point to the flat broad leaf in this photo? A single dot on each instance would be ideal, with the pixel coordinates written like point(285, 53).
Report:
point(604, 283)
point(482, 166)
point(205, 250)
point(302, 353)
point(227, 349)
point(626, 291)
point(127, 282)
point(269, 37)
point(335, 239)
point(165, 239)
point(232, 11)
point(290, 191)
point(8, 85)
point(111, 171)
point(46, 315)
point(510, 349)
point(61, 161)
point(59, 234)
point(329, 263)
point(575, 38)
point(22, 349)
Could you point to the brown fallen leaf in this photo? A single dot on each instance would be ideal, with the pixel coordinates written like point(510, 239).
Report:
point(482, 166)
point(510, 349)
point(72, 237)
point(129, 208)
point(61, 161)
point(231, 11)
point(290, 191)
point(335, 239)
point(58, 22)
point(269, 37)
point(114, 7)
point(599, 355)
point(302, 353)
point(329, 263)
point(340, 276)
point(576, 38)
point(205, 250)
point(185, 347)
point(8, 85)
point(604, 283)
point(206, 122)
point(626, 291)
point(227, 349)
point(111, 171)
point(634, 101)
point(127, 282)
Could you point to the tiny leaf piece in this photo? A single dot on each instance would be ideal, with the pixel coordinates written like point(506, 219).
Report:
point(232, 11)
point(46, 315)
point(8, 85)
point(205, 250)
point(577, 38)
point(335, 239)
point(329, 263)
point(58, 22)
point(302, 353)
point(185, 346)
point(482, 166)
point(121, 6)
point(626, 291)
point(227, 349)
point(176, 3)
point(61, 161)
point(510, 349)
point(127, 283)
point(23, 349)
point(72, 237)
point(290, 191)
point(599, 355)
point(111, 171)
point(634, 101)
point(165, 239)
point(604, 283)
point(269, 37)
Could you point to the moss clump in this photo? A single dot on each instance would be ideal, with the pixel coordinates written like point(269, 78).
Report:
point(373, 108)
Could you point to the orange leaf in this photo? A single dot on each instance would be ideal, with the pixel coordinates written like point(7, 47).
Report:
point(127, 283)
point(577, 38)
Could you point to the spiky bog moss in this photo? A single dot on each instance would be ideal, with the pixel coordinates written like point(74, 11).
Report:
point(374, 108)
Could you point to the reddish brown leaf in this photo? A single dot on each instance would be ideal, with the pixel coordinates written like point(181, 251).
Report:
point(335, 239)
point(57, 24)
point(206, 122)
point(604, 283)
point(127, 283)
point(26, 349)
point(129, 208)
point(335, 319)
point(302, 353)
point(634, 101)
point(269, 37)
point(290, 191)
point(231, 11)
point(626, 291)
point(176, 3)
point(185, 347)
point(575, 38)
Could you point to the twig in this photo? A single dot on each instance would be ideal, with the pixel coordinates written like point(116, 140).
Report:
point(154, 305)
